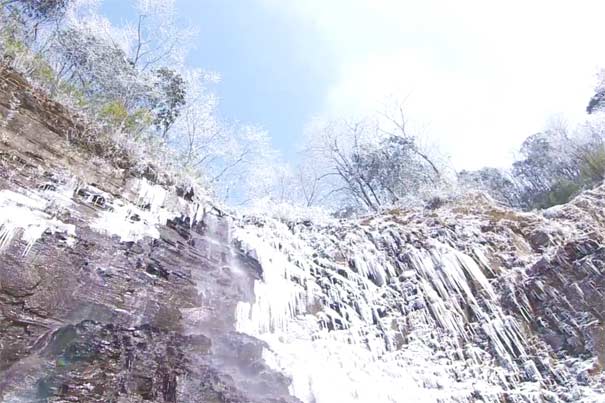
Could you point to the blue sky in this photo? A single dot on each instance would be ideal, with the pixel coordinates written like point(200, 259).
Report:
point(477, 77)
point(272, 75)
point(268, 76)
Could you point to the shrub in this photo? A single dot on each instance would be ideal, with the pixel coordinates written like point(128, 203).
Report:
point(561, 193)
point(114, 113)
point(593, 166)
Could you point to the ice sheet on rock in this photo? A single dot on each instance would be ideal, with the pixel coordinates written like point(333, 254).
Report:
point(278, 298)
point(59, 193)
point(128, 222)
point(150, 207)
point(23, 216)
point(164, 201)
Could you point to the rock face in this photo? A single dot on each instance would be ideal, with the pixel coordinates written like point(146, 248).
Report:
point(114, 288)
point(99, 302)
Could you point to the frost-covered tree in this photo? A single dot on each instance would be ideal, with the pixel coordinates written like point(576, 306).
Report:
point(370, 163)
point(306, 185)
point(111, 65)
point(98, 67)
point(498, 183)
point(247, 168)
point(597, 101)
point(169, 100)
point(393, 169)
point(551, 167)
point(547, 159)
point(157, 38)
point(147, 55)
point(38, 10)
point(557, 163)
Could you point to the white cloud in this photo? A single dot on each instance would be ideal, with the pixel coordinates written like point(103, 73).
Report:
point(480, 75)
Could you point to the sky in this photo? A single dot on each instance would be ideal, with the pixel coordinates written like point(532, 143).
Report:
point(475, 77)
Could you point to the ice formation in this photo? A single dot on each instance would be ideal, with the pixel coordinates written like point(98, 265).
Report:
point(23, 216)
point(382, 311)
point(390, 308)
point(140, 215)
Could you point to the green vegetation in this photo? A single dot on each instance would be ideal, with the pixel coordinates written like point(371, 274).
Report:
point(591, 171)
point(115, 113)
point(562, 192)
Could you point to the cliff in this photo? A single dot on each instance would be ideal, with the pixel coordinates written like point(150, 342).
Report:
point(112, 288)
point(116, 286)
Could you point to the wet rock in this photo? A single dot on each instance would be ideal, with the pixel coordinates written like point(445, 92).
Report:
point(89, 318)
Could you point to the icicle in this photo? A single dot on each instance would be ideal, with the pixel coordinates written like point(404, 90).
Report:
point(24, 214)
point(150, 195)
point(355, 314)
point(134, 218)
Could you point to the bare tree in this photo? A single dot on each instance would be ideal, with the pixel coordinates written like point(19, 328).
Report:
point(157, 38)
